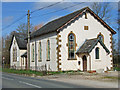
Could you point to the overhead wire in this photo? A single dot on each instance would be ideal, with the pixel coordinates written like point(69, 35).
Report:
point(14, 22)
point(47, 6)
point(57, 10)
point(31, 13)
point(41, 14)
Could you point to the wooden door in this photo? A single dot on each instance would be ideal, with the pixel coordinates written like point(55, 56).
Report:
point(84, 63)
point(25, 63)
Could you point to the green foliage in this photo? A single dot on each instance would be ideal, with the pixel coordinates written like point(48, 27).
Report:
point(111, 77)
point(117, 68)
point(64, 72)
point(28, 72)
point(31, 72)
point(51, 73)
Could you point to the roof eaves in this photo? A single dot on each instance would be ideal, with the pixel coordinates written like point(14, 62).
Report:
point(103, 22)
point(80, 47)
point(24, 54)
point(93, 46)
point(11, 42)
point(106, 49)
point(40, 35)
point(101, 44)
point(72, 19)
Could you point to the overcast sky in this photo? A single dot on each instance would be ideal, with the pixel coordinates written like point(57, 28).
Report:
point(11, 11)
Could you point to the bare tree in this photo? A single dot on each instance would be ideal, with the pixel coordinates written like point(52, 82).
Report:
point(103, 10)
point(22, 30)
point(38, 26)
point(6, 48)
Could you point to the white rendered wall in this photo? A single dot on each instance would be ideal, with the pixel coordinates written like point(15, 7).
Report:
point(52, 64)
point(104, 59)
point(77, 28)
point(17, 64)
point(19, 53)
point(21, 61)
point(23, 64)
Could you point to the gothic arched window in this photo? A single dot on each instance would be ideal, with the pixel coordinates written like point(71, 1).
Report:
point(39, 52)
point(13, 54)
point(101, 37)
point(32, 53)
point(48, 50)
point(97, 53)
point(71, 46)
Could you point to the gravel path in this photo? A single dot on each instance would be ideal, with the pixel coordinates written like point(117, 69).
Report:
point(103, 80)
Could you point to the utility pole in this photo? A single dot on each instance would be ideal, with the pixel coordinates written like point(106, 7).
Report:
point(28, 45)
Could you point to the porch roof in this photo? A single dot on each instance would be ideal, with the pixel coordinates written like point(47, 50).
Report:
point(89, 44)
point(24, 55)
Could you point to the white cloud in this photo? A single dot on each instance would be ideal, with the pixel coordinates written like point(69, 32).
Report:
point(30, 0)
point(8, 19)
point(20, 0)
point(50, 0)
point(60, 0)
point(13, 0)
point(79, 0)
point(59, 6)
point(53, 18)
point(40, 4)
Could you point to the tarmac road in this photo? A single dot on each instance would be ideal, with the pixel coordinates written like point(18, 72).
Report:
point(18, 81)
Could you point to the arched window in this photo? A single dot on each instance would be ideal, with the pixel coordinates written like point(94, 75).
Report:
point(48, 50)
point(39, 52)
point(71, 46)
point(101, 37)
point(97, 53)
point(32, 52)
point(13, 54)
point(22, 60)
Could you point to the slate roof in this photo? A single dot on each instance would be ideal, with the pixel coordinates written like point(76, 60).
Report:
point(22, 44)
point(89, 44)
point(57, 23)
point(24, 55)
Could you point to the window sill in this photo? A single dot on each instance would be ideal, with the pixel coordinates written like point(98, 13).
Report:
point(97, 60)
point(47, 60)
point(39, 60)
point(72, 58)
point(14, 61)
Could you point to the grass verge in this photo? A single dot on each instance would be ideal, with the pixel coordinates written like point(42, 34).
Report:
point(38, 73)
point(27, 72)
point(65, 72)
point(117, 68)
point(110, 77)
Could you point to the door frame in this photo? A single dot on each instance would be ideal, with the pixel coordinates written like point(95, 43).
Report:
point(84, 59)
point(26, 63)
